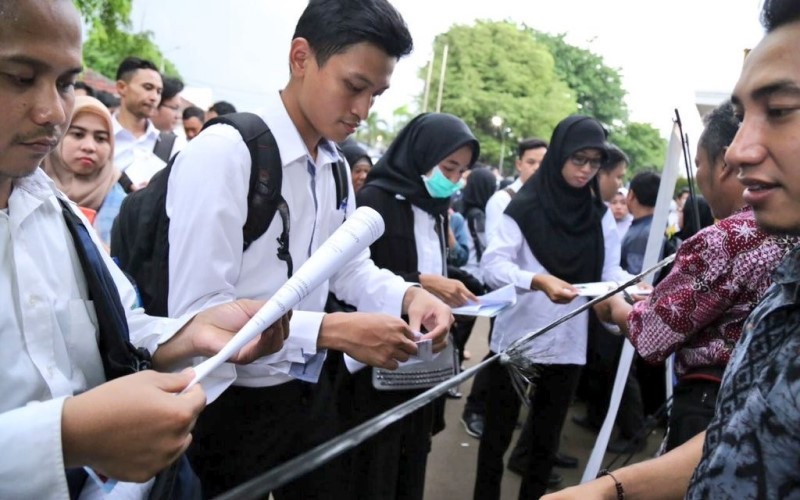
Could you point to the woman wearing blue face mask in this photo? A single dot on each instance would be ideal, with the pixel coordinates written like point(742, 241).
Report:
point(410, 186)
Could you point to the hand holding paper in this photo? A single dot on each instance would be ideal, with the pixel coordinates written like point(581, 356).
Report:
point(491, 304)
point(363, 227)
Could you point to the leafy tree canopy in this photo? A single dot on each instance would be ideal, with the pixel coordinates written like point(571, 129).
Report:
point(598, 88)
point(497, 69)
point(643, 144)
point(110, 41)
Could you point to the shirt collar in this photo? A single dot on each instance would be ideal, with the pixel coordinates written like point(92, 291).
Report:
point(29, 193)
point(118, 128)
point(290, 143)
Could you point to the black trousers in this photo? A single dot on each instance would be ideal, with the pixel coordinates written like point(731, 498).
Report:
point(390, 465)
point(248, 431)
point(693, 404)
point(549, 405)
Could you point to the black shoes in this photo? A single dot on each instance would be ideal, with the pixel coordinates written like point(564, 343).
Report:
point(622, 445)
point(586, 423)
point(453, 393)
point(517, 467)
point(473, 424)
point(565, 461)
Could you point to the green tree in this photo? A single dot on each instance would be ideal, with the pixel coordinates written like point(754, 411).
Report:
point(498, 69)
point(643, 145)
point(112, 15)
point(110, 41)
point(104, 50)
point(598, 88)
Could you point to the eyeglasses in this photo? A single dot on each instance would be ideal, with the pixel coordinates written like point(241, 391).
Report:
point(580, 160)
point(170, 106)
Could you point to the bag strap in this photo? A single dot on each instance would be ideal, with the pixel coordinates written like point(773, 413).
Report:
point(118, 355)
point(163, 146)
point(474, 233)
point(264, 197)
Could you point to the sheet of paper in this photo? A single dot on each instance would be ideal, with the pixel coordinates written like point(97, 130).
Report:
point(142, 165)
point(601, 287)
point(360, 230)
point(490, 304)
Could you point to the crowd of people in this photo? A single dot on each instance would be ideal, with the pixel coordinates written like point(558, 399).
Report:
point(96, 380)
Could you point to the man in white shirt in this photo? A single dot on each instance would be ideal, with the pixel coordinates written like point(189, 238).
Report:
point(529, 156)
point(57, 411)
point(139, 85)
point(530, 153)
point(341, 58)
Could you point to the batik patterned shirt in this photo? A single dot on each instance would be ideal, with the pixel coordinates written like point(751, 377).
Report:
point(718, 277)
point(752, 446)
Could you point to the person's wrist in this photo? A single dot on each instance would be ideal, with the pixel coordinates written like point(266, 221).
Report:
point(613, 489)
point(328, 337)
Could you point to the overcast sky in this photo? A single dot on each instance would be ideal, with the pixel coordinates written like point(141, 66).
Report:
point(666, 51)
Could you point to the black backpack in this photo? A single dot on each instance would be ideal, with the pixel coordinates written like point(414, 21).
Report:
point(140, 235)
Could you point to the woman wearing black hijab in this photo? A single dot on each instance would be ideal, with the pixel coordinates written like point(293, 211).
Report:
point(555, 232)
point(359, 161)
point(410, 186)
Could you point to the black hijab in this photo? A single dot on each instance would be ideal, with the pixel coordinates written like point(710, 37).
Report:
point(354, 153)
point(690, 228)
point(421, 145)
point(562, 224)
point(481, 185)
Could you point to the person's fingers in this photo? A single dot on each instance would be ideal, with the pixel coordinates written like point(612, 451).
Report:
point(173, 382)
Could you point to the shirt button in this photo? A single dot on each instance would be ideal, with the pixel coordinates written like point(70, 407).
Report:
point(33, 300)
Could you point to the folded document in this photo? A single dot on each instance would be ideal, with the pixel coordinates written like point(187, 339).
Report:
point(491, 304)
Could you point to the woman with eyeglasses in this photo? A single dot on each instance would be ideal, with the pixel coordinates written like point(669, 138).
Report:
point(555, 232)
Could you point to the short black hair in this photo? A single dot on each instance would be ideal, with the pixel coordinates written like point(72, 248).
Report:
point(194, 112)
point(222, 108)
point(131, 65)
point(644, 186)
point(108, 99)
point(614, 156)
point(721, 126)
point(85, 87)
point(333, 26)
point(172, 87)
point(530, 143)
point(776, 13)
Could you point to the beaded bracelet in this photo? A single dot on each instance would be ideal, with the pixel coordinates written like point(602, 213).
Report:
point(617, 484)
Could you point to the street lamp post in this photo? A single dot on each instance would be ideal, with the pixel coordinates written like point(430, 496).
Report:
point(503, 133)
point(497, 122)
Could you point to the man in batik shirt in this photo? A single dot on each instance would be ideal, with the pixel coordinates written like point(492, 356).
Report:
point(718, 277)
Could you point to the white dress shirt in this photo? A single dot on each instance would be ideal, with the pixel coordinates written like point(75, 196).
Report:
point(48, 330)
point(509, 259)
point(207, 206)
point(129, 148)
point(497, 205)
point(429, 249)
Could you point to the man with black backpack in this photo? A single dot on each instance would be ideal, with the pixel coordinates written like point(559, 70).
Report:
point(341, 57)
point(68, 325)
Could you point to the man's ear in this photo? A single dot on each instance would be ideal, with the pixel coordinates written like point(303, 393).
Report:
point(724, 171)
point(122, 86)
point(300, 56)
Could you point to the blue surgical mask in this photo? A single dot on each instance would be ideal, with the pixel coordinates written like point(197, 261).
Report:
point(439, 186)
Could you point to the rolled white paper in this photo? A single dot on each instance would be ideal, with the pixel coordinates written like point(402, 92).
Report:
point(357, 233)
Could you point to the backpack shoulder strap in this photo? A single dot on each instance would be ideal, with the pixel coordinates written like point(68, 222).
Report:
point(340, 179)
point(119, 357)
point(164, 144)
point(471, 217)
point(264, 197)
